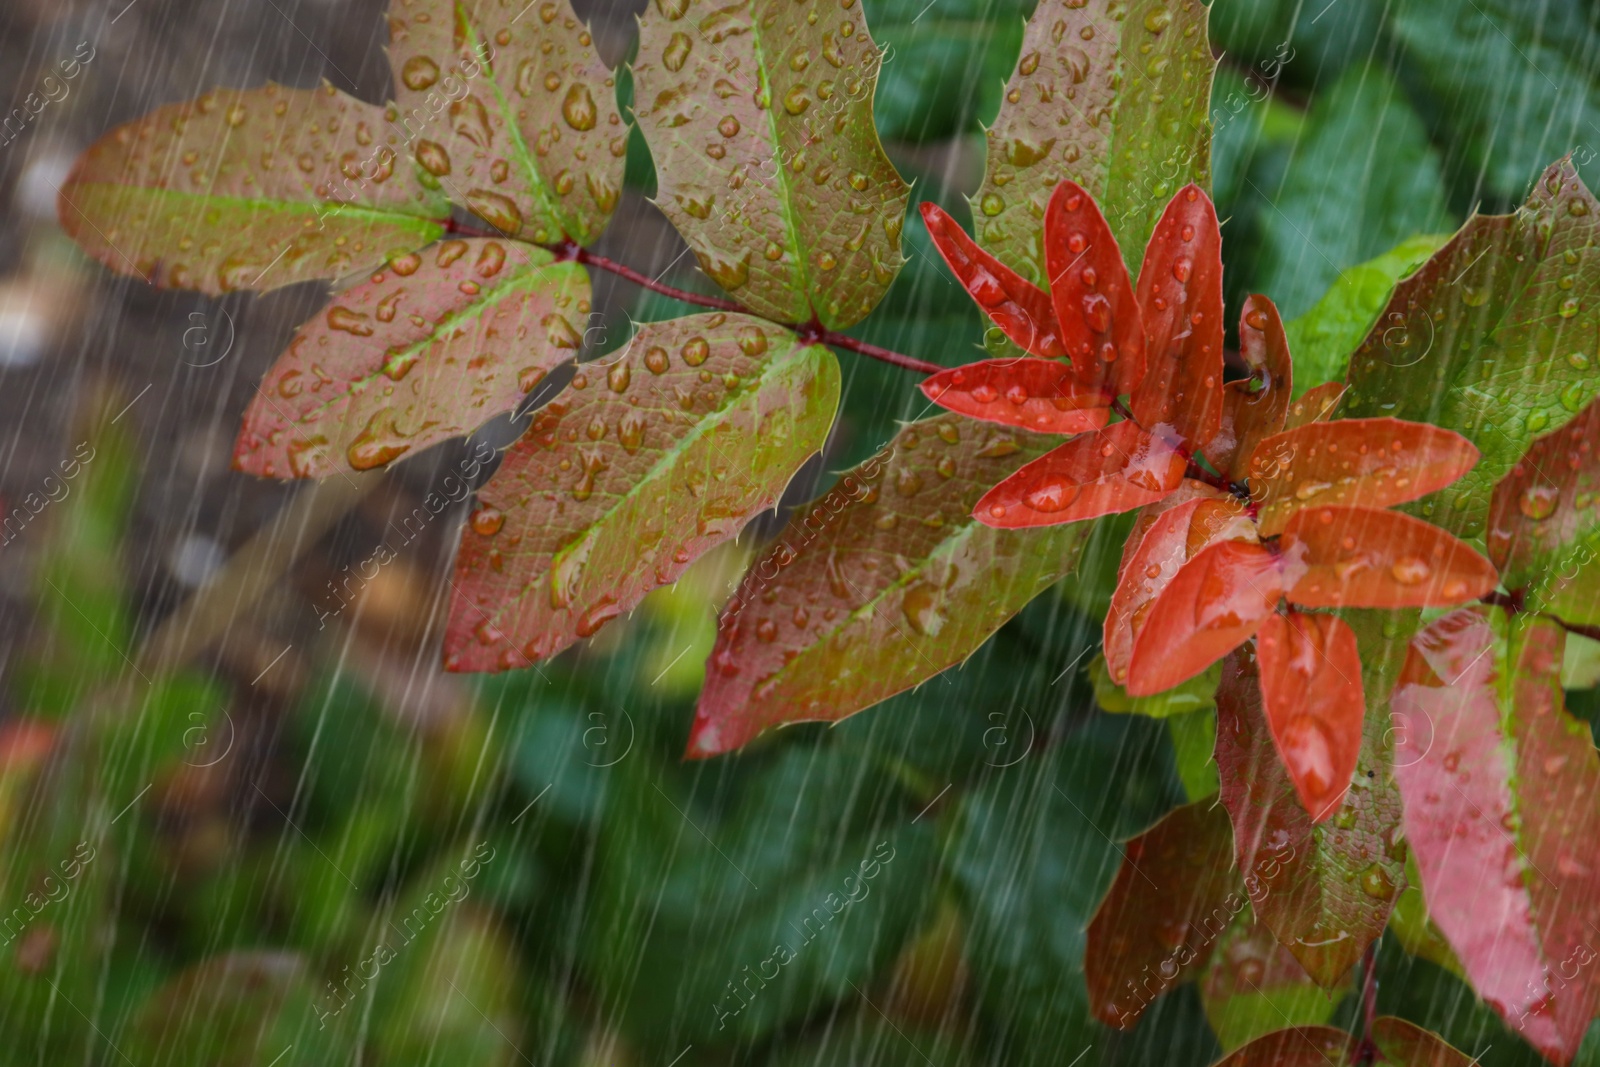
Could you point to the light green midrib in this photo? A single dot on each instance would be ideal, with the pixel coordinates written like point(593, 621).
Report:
point(471, 313)
point(945, 547)
point(537, 183)
point(259, 204)
point(793, 358)
point(790, 221)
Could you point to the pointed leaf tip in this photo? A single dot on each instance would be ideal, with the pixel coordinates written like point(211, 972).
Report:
point(1095, 309)
point(1021, 309)
point(1311, 693)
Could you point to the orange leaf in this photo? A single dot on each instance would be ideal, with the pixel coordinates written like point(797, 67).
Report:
point(1180, 301)
point(1364, 558)
point(1153, 556)
point(1036, 394)
point(1311, 692)
point(1115, 469)
point(1254, 407)
point(1213, 605)
point(1099, 318)
point(1315, 406)
point(1370, 463)
point(1016, 305)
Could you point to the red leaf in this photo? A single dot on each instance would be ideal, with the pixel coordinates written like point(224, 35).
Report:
point(1544, 505)
point(1325, 892)
point(1180, 300)
point(1255, 407)
point(1315, 406)
point(428, 348)
point(1174, 895)
point(1153, 556)
point(1311, 694)
point(1214, 604)
point(1043, 395)
point(1405, 1043)
point(1095, 308)
point(1369, 463)
point(1300, 1046)
point(1016, 305)
point(1363, 558)
point(1499, 785)
point(1115, 469)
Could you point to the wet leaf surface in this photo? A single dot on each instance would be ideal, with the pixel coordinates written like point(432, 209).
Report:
point(429, 347)
point(1358, 557)
point(1116, 469)
point(877, 586)
point(1311, 695)
point(1253, 408)
point(1174, 896)
point(642, 465)
point(1099, 318)
point(508, 110)
point(1252, 986)
point(1141, 71)
point(250, 189)
point(759, 117)
point(1503, 319)
point(1499, 785)
point(1042, 395)
point(1021, 309)
point(1370, 463)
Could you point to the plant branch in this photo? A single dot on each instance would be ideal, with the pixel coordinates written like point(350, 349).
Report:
point(1367, 1051)
point(812, 333)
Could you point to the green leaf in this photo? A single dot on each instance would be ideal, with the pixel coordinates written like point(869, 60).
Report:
point(1112, 95)
point(1506, 314)
point(1252, 985)
point(1322, 339)
point(428, 348)
point(1515, 837)
point(878, 585)
point(447, 978)
point(759, 116)
point(510, 111)
point(1513, 84)
point(644, 463)
point(1361, 179)
point(245, 1008)
point(1197, 694)
point(250, 189)
point(1544, 531)
point(1194, 739)
point(945, 66)
point(818, 876)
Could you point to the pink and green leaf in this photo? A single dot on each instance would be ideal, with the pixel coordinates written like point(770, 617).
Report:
point(1504, 334)
point(509, 111)
point(758, 114)
point(1544, 521)
point(877, 586)
point(429, 347)
point(1113, 97)
point(640, 467)
point(250, 189)
point(1499, 785)
point(1397, 1041)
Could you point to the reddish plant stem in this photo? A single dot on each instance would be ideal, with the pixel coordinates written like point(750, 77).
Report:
point(812, 333)
point(1367, 1050)
point(1514, 603)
